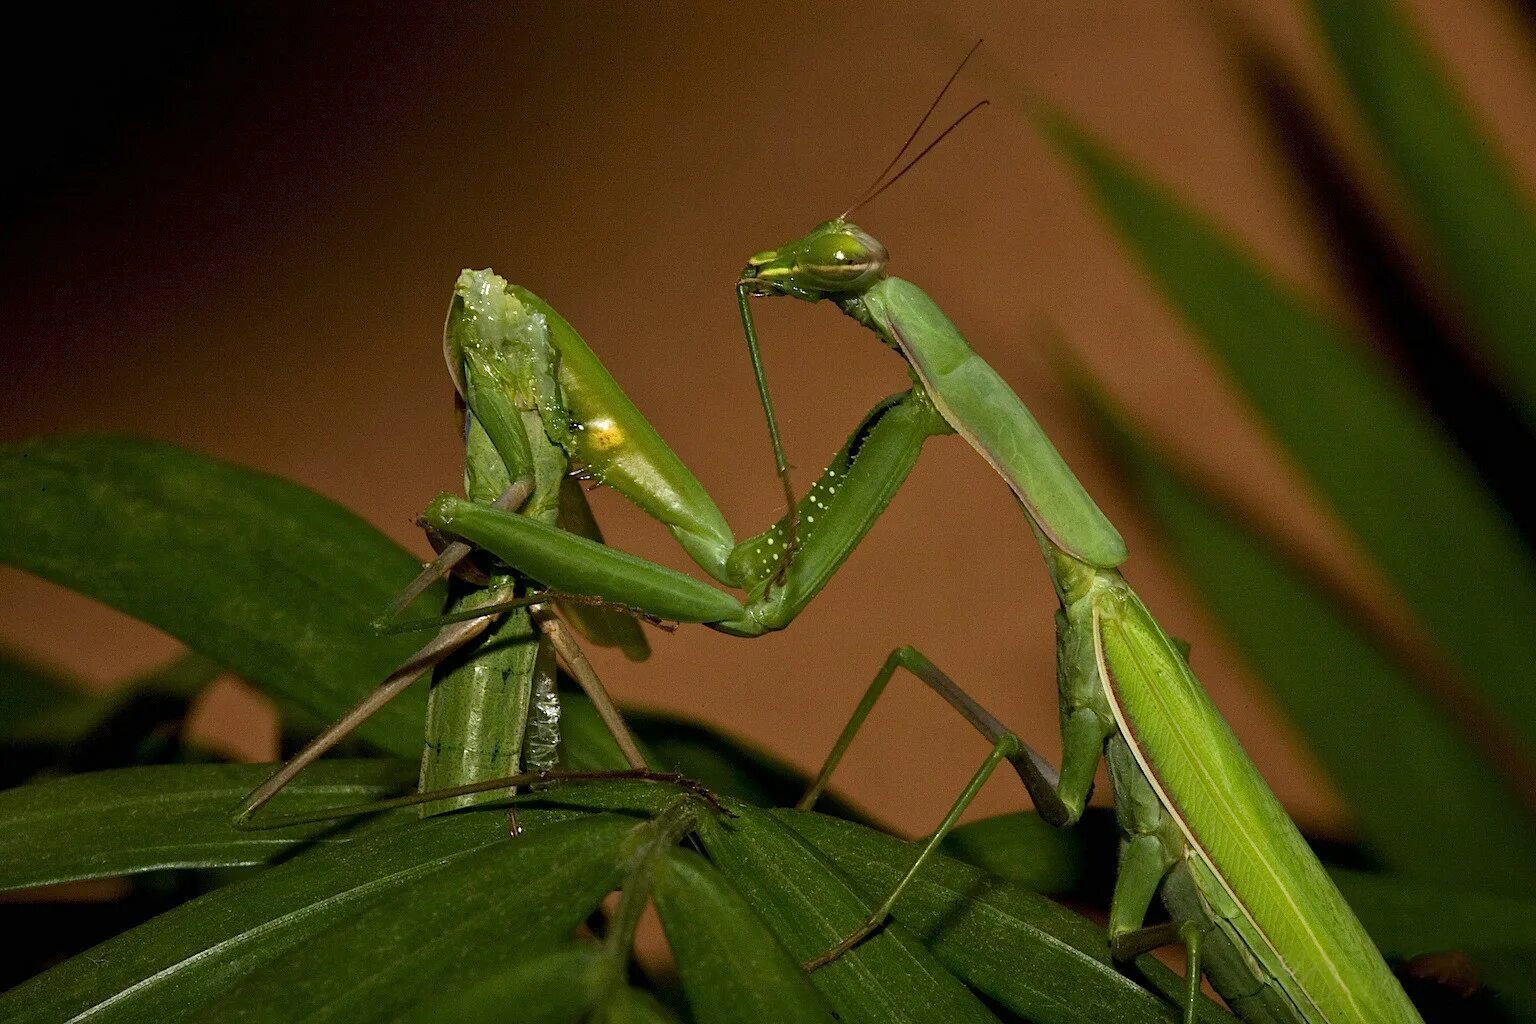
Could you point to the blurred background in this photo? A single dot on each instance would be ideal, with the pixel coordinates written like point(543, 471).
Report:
point(237, 229)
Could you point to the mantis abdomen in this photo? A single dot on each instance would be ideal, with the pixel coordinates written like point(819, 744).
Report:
point(1278, 935)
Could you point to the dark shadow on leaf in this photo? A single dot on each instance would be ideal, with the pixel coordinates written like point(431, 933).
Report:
point(56, 931)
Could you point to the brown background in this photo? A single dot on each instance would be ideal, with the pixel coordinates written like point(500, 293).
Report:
point(251, 256)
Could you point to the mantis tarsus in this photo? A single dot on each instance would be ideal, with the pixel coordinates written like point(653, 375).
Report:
point(1246, 895)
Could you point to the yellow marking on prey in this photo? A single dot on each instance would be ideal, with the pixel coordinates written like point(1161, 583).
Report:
point(603, 434)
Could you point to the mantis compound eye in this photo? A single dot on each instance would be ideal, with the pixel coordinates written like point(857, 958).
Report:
point(840, 261)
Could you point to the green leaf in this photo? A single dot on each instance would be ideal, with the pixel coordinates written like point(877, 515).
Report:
point(490, 906)
point(732, 967)
point(558, 987)
point(632, 1006)
point(1425, 799)
point(1022, 950)
point(139, 722)
point(30, 693)
point(167, 968)
point(263, 576)
point(1408, 916)
point(1021, 847)
point(1508, 975)
point(1455, 184)
point(1378, 459)
point(888, 978)
point(132, 820)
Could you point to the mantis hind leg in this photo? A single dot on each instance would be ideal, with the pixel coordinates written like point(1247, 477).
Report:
point(1145, 861)
point(1060, 796)
point(1131, 944)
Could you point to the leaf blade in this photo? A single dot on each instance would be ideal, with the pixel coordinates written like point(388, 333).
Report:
point(130, 820)
point(263, 576)
point(888, 978)
point(497, 903)
point(1456, 185)
point(167, 967)
point(732, 967)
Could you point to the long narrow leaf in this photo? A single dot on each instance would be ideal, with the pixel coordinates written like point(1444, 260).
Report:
point(888, 979)
point(733, 969)
point(1379, 460)
point(1458, 188)
point(263, 576)
point(1407, 917)
point(1378, 276)
point(167, 968)
point(130, 820)
point(492, 906)
point(558, 987)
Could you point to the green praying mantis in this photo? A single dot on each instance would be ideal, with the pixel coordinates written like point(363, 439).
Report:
point(1246, 897)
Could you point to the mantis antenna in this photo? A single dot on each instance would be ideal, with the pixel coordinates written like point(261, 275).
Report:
point(880, 184)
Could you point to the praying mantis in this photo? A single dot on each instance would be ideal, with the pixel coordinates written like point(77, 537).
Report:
point(1246, 897)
